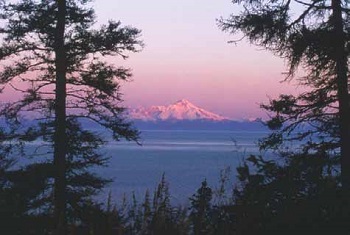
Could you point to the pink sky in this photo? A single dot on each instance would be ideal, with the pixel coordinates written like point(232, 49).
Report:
point(187, 56)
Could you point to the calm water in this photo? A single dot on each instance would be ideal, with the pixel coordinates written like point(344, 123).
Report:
point(186, 158)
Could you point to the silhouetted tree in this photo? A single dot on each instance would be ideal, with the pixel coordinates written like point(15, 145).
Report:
point(57, 62)
point(201, 209)
point(155, 215)
point(162, 219)
point(313, 35)
point(298, 194)
point(21, 191)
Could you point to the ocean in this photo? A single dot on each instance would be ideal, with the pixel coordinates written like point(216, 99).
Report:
point(185, 157)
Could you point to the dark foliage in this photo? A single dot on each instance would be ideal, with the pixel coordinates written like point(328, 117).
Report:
point(299, 195)
point(200, 209)
point(155, 215)
point(54, 59)
point(307, 190)
point(314, 36)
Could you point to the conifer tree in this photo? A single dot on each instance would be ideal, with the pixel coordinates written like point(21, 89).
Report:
point(200, 210)
point(313, 35)
point(56, 61)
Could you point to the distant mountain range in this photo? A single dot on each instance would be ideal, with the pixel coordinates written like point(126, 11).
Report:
point(179, 111)
point(183, 115)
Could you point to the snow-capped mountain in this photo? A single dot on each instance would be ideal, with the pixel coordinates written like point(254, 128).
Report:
point(180, 110)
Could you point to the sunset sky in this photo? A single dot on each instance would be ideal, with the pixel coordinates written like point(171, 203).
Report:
point(187, 56)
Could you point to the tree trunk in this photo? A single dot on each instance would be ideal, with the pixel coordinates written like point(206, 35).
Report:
point(343, 96)
point(60, 139)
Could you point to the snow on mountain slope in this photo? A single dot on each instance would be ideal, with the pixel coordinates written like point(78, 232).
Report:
point(181, 110)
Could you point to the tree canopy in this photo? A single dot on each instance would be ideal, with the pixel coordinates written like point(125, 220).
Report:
point(57, 62)
point(312, 35)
